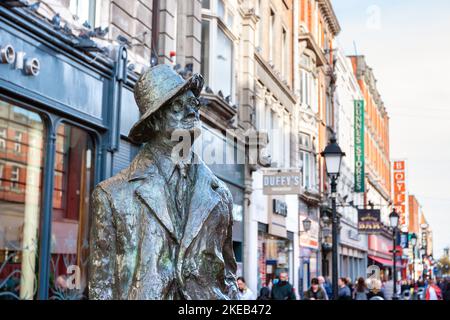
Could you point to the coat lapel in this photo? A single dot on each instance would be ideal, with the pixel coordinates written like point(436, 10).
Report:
point(152, 190)
point(152, 193)
point(203, 201)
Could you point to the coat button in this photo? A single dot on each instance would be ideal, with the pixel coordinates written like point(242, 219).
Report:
point(214, 184)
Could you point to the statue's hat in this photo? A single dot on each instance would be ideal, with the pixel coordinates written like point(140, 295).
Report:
point(156, 87)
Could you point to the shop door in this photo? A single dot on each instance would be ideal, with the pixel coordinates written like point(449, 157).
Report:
point(73, 185)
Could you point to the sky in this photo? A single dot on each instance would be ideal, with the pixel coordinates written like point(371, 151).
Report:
point(407, 43)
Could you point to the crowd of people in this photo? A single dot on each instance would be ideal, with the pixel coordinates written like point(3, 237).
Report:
point(361, 289)
point(280, 289)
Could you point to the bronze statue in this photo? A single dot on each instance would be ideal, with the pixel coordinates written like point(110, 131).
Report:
point(162, 228)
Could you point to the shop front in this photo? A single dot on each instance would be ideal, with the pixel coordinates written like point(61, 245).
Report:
point(379, 254)
point(309, 245)
point(275, 245)
point(353, 251)
point(61, 132)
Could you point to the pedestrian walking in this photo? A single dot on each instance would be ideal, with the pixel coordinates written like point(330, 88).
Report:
point(344, 292)
point(244, 292)
point(283, 290)
point(328, 288)
point(264, 294)
point(323, 285)
point(350, 286)
point(361, 290)
point(433, 292)
point(375, 289)
point(315, 292)
point(388, 289)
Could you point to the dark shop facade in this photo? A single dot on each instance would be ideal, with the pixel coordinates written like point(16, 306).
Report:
point(65, 114)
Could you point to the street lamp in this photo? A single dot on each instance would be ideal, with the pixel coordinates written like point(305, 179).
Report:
point(423, 251)
point(393, 219)
point(414, 242)
point(333, 157)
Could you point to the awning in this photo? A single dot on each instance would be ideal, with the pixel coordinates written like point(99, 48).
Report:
point(385, 262)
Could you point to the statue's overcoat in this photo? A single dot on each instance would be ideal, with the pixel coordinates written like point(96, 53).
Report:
point(137, 253)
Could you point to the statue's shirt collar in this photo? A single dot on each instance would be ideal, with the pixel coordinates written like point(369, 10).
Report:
point(155, 158)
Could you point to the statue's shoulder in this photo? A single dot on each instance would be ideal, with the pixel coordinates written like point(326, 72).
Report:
point(124, 179)
point(217, 184)
point(114, 184)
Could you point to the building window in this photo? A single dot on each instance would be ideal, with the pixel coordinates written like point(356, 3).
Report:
point(218, 49)
point(230, 20)
point(85, 10)
point(329, 115)
point(18, 142)
point(308, 158)
point(15, 177)
point(205, 49)
point(20, 207)
point(223, 63)
point(305, 85)
point(274, 257)
point(221, 9)
point(271, 35)
point(260, 25)
point(206, 4)
point(73, 185)
point(284, 53)
point(3, 137)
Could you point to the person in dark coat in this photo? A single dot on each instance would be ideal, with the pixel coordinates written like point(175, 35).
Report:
point(283, 290)
point(344, 292)
point(350, 286)
point(264, 294)
point(446, 293)
point(315, 292)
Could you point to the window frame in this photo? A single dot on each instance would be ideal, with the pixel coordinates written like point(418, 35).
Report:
point(309, 150)
point(50, 122)
point(215, 23)
point(93, 14)
point(3, 138)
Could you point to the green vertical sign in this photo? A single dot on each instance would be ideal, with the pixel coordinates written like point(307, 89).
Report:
point(359, 146)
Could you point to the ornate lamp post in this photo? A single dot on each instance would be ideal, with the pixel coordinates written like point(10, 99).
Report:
point(333, 157)
point(393, 218)
point(423, 252)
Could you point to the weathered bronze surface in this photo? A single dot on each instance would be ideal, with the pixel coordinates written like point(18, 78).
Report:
point(162, 228)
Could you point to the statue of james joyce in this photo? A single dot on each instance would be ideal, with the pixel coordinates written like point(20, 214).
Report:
point(162, 227)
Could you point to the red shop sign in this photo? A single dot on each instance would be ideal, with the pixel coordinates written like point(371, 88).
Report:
point(380, 244)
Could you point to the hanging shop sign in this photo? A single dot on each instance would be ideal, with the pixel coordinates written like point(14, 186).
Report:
point(279, 207)
point(277, 218)
point(359, 147)
point(404, 240)
point(281, 183)
point(399, 190)
point(369, 221)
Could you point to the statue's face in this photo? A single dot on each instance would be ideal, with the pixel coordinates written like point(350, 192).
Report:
point(182, 114)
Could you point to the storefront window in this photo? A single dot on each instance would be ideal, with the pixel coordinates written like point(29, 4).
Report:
point(22, 136)
point(273, 258)
point(74, 178)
